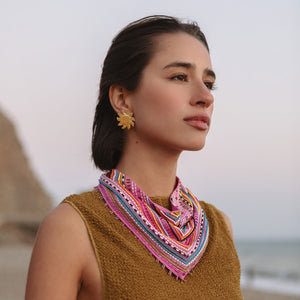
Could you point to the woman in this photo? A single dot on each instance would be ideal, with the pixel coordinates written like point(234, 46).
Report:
point(155, 101)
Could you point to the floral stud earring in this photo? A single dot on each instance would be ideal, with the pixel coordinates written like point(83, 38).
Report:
point(126, 120)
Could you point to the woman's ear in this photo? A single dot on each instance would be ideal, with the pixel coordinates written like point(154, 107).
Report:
point(119, 99)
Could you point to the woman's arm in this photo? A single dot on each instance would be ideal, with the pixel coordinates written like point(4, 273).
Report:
point(58, 257)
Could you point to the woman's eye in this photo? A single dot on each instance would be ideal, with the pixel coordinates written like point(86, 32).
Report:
point(180, 77)
point(210, 85)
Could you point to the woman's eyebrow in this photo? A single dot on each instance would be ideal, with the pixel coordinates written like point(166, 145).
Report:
point(179, 64)
point(187, 65)
point(210, 73)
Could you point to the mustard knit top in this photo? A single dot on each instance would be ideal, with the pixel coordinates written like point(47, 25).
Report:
point(128, 271)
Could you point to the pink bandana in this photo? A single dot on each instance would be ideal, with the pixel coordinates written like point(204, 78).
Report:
point(176, 237)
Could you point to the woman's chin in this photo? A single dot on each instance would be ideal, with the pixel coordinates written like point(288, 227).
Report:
point(196, 146)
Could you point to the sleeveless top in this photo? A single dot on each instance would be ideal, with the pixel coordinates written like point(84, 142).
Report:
point(128, 271)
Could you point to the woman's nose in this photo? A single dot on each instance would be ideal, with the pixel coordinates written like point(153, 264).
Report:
point(202, 95)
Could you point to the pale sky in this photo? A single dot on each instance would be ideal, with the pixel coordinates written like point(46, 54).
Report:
point(50, 64)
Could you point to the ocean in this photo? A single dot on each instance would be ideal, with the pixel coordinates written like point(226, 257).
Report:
point(270, 266)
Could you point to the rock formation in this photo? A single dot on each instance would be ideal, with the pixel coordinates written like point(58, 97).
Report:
point(23, 202)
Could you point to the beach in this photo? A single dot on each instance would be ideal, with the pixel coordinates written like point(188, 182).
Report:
point(15, 258)
point(14, 261)
point(259, 295)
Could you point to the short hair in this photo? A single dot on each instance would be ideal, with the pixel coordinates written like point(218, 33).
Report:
point(130, 52)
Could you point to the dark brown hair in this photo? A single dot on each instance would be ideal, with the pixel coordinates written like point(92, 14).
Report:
point(130, 51)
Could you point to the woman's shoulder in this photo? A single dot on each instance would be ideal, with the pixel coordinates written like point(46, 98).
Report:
point(62, 228)
point(88, 205)
point(214, 214)
point(58, 255)
point(83, 200)
point(62, 217)
point(61, 256)
point(65, 222)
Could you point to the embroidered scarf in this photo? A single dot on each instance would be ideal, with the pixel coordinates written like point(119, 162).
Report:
point(176, 237)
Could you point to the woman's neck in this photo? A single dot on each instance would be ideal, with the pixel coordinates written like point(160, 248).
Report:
point(152, 169)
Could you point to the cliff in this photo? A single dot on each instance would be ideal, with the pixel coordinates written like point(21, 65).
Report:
point(23, 202)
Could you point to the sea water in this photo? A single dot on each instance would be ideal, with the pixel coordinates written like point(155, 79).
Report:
point(270, 266)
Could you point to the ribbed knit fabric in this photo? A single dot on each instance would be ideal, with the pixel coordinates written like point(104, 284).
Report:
point(128, 271)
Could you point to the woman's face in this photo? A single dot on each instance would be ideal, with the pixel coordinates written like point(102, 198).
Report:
point(173, 104)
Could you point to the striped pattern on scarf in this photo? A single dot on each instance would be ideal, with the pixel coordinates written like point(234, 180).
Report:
point(176, 237)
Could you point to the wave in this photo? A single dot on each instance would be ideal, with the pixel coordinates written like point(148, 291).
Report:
point(270, 266)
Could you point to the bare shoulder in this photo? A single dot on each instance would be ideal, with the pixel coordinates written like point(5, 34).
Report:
point(211, 209)
point(228, 223)
point(62, 217)
point(58, 257)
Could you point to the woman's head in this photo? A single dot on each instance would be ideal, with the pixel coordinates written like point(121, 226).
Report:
point(129, 54)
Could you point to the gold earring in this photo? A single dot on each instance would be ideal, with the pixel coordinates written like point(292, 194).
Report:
point(126, 120)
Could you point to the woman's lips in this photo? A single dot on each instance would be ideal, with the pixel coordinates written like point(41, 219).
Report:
point(200, 122)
